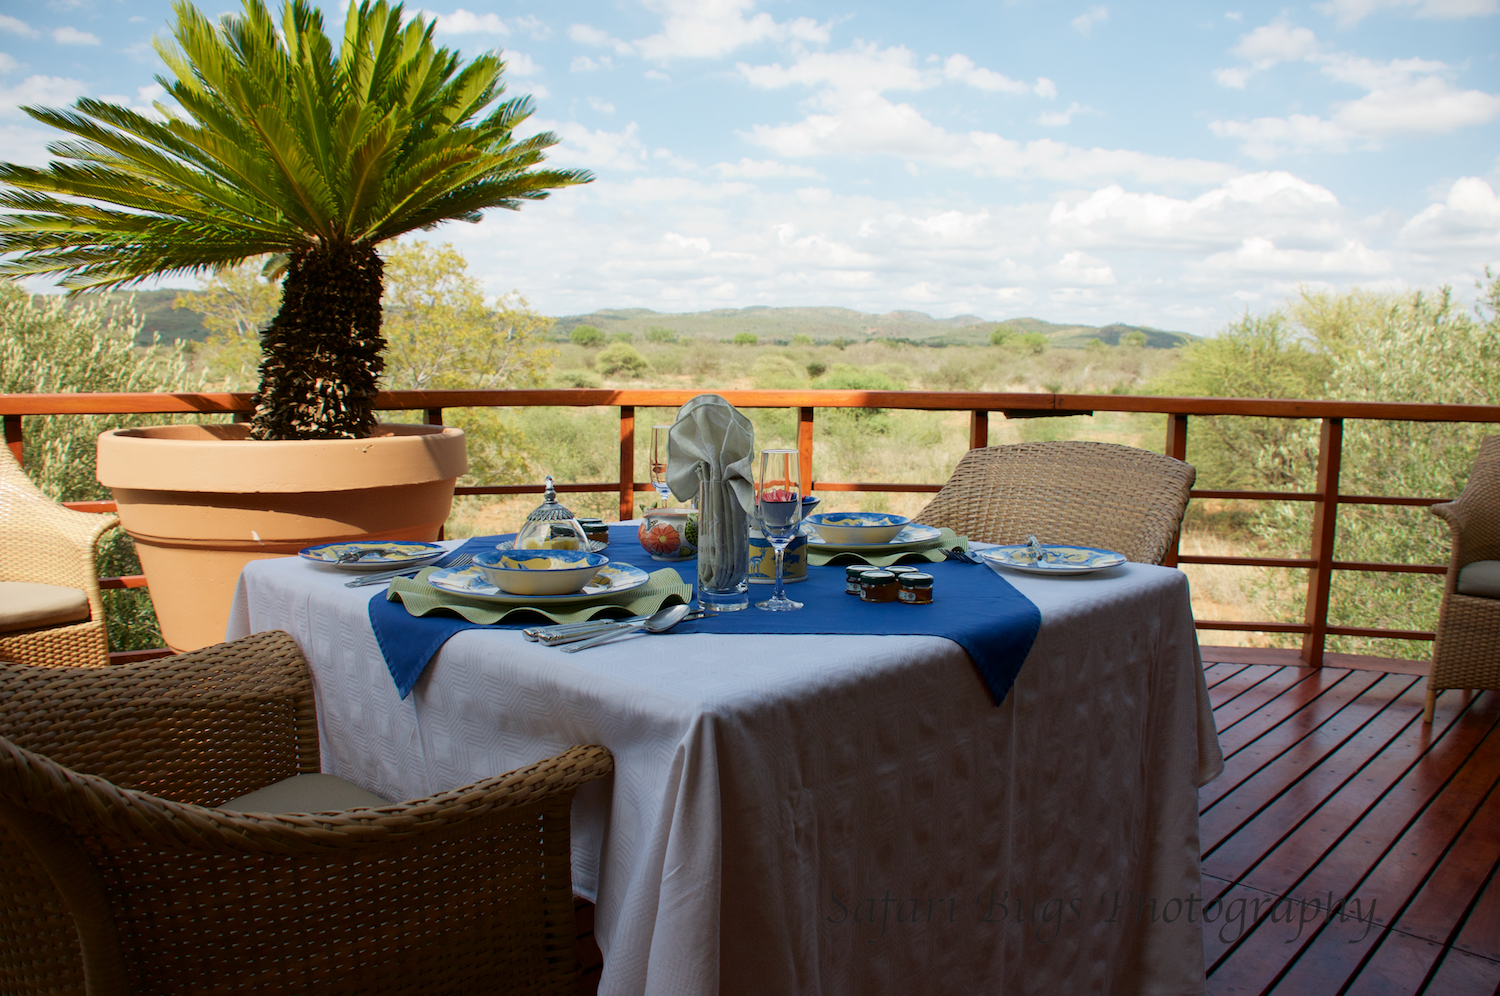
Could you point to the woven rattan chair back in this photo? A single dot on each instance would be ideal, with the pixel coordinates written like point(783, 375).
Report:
point(1466, 652)
point(1090, 494)
point(467, 891)
point(45, 543)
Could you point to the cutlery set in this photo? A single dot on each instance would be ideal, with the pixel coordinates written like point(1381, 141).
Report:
point(462, 560)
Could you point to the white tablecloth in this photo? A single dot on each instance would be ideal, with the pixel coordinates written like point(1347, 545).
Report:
point(825, 814)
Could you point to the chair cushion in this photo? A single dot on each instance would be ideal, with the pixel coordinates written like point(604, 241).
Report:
point(306, 794)
point(25, 605)
point(1481, 578)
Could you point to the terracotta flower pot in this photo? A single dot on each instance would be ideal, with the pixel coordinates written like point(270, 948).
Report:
point(201, 501)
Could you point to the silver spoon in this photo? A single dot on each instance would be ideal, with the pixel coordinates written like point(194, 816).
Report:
point(658, 622)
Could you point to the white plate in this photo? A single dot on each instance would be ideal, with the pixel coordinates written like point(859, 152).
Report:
point(611, 580)
point(407, 553)
point(1069, 559)
point(910, 538)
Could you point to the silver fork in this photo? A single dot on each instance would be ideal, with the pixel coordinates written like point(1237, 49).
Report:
point(382, 577)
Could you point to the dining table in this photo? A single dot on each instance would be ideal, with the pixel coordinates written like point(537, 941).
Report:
point(823, 813)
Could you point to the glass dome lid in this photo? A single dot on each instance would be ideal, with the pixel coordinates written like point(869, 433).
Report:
point(551, 526)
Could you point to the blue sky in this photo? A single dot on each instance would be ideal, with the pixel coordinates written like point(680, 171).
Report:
point(1168, 164)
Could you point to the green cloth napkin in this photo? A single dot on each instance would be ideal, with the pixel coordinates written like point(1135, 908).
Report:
point(930, 554)
point(664, 587)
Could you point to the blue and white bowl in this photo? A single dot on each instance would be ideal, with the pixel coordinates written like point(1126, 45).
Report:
point(857, 528)
point(539, 572)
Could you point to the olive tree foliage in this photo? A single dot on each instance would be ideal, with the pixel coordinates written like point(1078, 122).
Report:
point(48, 347)
point(1356, 346)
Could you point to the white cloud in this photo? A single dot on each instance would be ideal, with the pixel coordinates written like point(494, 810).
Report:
point(586, 35)
point(1085, 22)
point(1061, 119)
point(8, 64)
point(602, 106)
point(464, 22)
point(597, 150)
point(1273, 205)
point(142, 102)
point(1350, 12)
point(755, 169)
point(584, 64)
point(16, 26)
point(68, 35)
point(1403, 97)
point(1045, 88)
point(711, 28)
point(850, 116)
point(39, 91)
point(520, 64)
point(1263, 258)
point(1468, 217)
point(962, 69)
point(1080, 268)
point(657, 74)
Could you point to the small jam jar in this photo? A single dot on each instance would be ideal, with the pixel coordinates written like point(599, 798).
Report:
point(900, 569)
point(852, 576)
point(916, 588)
point(877, 586)
point(595, 530)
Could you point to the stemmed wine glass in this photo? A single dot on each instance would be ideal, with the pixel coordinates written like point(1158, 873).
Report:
point(778, 510)
point(659, 461)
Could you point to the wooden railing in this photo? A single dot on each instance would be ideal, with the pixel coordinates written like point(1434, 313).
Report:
point(1326, 496)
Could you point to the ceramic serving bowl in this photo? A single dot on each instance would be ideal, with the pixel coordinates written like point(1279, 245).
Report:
point(539, 572)
point(846, 528)
point(669, 533)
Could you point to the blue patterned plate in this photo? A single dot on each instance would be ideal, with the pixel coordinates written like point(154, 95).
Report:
point(912, 537)
point(372, 556)
point(1059, 559)
point(471, 581)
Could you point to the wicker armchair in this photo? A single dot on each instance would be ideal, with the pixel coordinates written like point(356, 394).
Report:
point(1466, 653)
point(44, 544)
point(118, 877)
point(1092, 494)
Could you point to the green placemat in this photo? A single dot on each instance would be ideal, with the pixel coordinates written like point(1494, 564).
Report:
point(665, 587)
point(929, 554)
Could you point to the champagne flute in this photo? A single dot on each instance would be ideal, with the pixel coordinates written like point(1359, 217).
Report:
point(659, 461)
point(778, 510)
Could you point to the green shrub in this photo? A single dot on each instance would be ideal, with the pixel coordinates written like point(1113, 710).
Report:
point(999, 337)
point(801, 339)
point(657, 333)
point(586, 336)
point(576, 378)
point(1133, 340)
point(745, 339)
point(817, 368)
point(1032, 343)
point(621, 360)
point(775, 371)
point(621, 337)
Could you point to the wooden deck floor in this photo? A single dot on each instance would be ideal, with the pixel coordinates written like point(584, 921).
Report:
point(1333, 788)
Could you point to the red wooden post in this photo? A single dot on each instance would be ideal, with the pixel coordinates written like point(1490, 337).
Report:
point(1324, 531)
point(805, 445)
point(1176, 448)
point(434, 416)
point(13, 436)
point(979, 429)
point(627, 462)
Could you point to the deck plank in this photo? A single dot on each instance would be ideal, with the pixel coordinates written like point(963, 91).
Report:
point(1341, 791)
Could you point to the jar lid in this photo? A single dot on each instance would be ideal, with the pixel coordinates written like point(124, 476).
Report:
point(877, 577)
point(903, 570)
point(855, 570)
point(916, 580)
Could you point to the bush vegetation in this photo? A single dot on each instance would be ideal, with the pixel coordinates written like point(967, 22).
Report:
point(586, 336)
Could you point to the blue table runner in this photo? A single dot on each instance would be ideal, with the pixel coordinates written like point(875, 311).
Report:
point(972, 606)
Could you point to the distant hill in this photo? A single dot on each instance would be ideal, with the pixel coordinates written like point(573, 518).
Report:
point(159, 316)
point(779, 325)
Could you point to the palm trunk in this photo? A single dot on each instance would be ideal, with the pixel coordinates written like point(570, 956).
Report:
point(321, 354)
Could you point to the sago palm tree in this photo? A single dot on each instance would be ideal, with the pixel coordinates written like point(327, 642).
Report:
point(284, 143)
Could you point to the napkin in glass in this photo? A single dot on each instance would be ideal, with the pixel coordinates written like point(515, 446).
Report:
point(710, 454)
point(664, 587)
